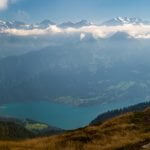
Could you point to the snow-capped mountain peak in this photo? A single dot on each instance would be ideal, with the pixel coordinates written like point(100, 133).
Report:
point(75, 25)
point(45, 23)
point(119, 21)
point(127, 20)
point(22, 25)
point(124, 20)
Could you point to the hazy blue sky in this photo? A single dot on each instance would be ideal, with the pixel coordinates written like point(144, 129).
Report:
point(74, 10)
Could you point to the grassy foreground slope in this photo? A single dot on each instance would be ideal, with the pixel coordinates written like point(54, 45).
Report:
point(126, 132)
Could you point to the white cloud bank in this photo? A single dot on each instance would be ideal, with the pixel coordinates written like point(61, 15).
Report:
point(21, 32)
point(4, 3)
point(136, 31)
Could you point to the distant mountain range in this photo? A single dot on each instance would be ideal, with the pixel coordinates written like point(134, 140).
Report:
point(18, 37)
point(46, 23)
point(41, 25)
point(75, 67)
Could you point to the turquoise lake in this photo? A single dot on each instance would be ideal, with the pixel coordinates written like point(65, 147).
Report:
point(59, 115)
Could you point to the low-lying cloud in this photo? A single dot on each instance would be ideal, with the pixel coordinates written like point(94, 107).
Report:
point(135, 31)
